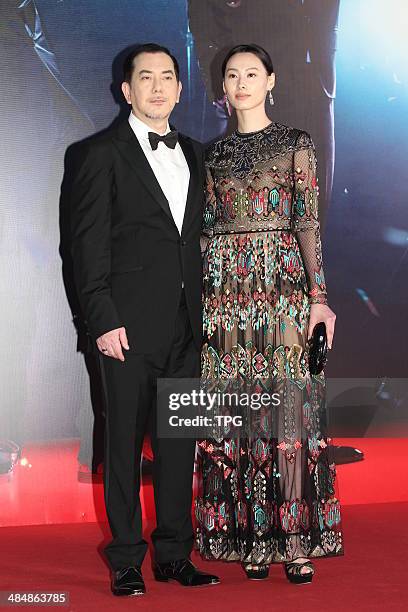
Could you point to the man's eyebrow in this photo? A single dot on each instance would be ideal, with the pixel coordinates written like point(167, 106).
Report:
point(144, 70)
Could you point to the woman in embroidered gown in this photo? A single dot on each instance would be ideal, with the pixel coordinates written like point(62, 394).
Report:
point(268, 497)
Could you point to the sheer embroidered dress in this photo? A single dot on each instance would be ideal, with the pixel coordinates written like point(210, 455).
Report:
point(270, 496)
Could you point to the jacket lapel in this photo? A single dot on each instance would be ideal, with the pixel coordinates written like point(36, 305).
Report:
point(192, 186)
point(130, 148)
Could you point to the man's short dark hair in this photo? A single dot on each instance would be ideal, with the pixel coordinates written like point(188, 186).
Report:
point(146, 48)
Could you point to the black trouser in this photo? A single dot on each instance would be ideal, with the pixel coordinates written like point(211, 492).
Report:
point(131, 404)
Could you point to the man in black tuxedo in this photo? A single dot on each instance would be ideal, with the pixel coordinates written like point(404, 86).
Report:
point(137, 200)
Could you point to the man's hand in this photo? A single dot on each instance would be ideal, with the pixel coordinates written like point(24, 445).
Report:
point(111, 343)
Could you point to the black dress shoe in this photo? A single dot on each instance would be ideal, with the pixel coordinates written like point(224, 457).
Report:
point(128, 581)
point(184, 572)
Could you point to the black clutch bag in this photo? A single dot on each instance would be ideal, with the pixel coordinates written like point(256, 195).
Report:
point(318, 349)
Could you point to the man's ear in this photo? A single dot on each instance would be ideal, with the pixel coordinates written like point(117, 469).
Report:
point(180, 87)
point(126, 91)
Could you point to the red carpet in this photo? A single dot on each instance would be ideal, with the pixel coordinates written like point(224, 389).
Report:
point(370, 576)
point(63, 554)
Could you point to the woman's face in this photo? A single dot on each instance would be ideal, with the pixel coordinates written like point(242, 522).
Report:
point(246, 81)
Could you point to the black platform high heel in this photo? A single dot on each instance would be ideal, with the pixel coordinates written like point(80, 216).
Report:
point(261, 572)
point(294, 574)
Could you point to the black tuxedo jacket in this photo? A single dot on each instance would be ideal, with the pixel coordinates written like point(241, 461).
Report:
point(128, 256)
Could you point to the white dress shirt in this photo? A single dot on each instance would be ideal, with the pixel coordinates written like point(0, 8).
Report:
point(169, 166)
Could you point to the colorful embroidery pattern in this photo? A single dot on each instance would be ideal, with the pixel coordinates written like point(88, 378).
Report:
point(263, 182)
point(270, 496)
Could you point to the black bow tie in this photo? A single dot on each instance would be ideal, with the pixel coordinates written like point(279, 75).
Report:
point(170, 139)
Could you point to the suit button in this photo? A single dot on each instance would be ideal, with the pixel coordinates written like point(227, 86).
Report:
point(183, 243)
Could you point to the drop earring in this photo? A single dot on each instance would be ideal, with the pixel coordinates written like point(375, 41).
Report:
point(271, 100)
point(227, 104)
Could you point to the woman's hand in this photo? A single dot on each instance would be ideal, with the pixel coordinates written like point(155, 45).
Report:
point(321, 313)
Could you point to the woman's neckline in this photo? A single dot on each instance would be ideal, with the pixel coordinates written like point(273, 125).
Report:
point(244, 134)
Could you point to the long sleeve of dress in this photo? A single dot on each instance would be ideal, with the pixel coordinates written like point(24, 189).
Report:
point(209, 210)
point(306, 217)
